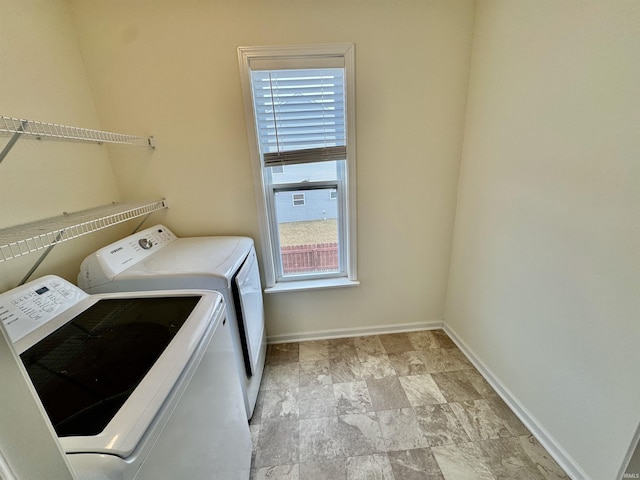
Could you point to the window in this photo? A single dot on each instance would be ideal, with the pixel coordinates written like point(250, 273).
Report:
point(298, 200)
point(300, 109)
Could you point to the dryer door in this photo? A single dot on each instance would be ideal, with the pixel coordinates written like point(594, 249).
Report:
point(249, 310)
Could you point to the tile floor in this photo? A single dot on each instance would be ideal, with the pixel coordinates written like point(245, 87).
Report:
point(391, 407)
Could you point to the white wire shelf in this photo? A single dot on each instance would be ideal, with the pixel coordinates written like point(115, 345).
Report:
point(37, 129)
point(30, 237)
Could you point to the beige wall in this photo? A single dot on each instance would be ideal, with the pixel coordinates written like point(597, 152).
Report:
point(43, 78)
point(544, 279)
point(170, 69)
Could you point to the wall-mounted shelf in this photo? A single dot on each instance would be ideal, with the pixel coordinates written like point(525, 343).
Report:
point(19, 127)
point(53, 130)
point(45, 234)
point(31, 237)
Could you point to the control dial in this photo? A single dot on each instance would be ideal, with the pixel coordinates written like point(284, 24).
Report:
point(145, 243)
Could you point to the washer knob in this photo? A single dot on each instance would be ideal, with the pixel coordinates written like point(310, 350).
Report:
point(145, 243)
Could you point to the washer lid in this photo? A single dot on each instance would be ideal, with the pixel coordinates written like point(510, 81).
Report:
point(105, 371)
point(156, 259)
point(189, 257)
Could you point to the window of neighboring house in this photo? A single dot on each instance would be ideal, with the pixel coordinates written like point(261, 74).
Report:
point(300, 108)
point(298, 199)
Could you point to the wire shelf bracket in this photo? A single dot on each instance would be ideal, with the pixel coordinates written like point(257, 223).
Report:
point(31, 128)
point(31, 237)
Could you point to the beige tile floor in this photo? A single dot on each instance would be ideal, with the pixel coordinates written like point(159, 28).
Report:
point(402, 406)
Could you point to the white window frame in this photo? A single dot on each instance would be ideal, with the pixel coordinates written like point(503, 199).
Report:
point(305, 54)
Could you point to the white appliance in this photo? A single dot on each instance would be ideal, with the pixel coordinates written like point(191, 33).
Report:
point(137, 385)
point(155, 259)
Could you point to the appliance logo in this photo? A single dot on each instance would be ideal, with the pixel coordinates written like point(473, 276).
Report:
point(115, 250)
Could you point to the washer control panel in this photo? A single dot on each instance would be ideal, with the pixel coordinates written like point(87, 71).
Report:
point(33, 304)
point(120, 255)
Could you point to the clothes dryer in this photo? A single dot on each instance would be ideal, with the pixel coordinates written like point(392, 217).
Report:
point(137, 385)
point(155, 259)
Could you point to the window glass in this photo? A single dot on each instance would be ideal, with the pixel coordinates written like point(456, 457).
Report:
point(308, 234)
point(306, 172)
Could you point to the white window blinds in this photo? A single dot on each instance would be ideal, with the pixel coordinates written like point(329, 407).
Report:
point(300, 115)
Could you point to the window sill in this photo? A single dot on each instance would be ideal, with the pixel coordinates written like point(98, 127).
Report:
point(312, 285)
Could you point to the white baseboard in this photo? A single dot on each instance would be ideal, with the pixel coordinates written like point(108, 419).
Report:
point(635, 443)
point(353, 332)
point(559, 454)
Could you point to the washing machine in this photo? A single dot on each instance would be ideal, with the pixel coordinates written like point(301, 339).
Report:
point(155, 258)
point(136, 385)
